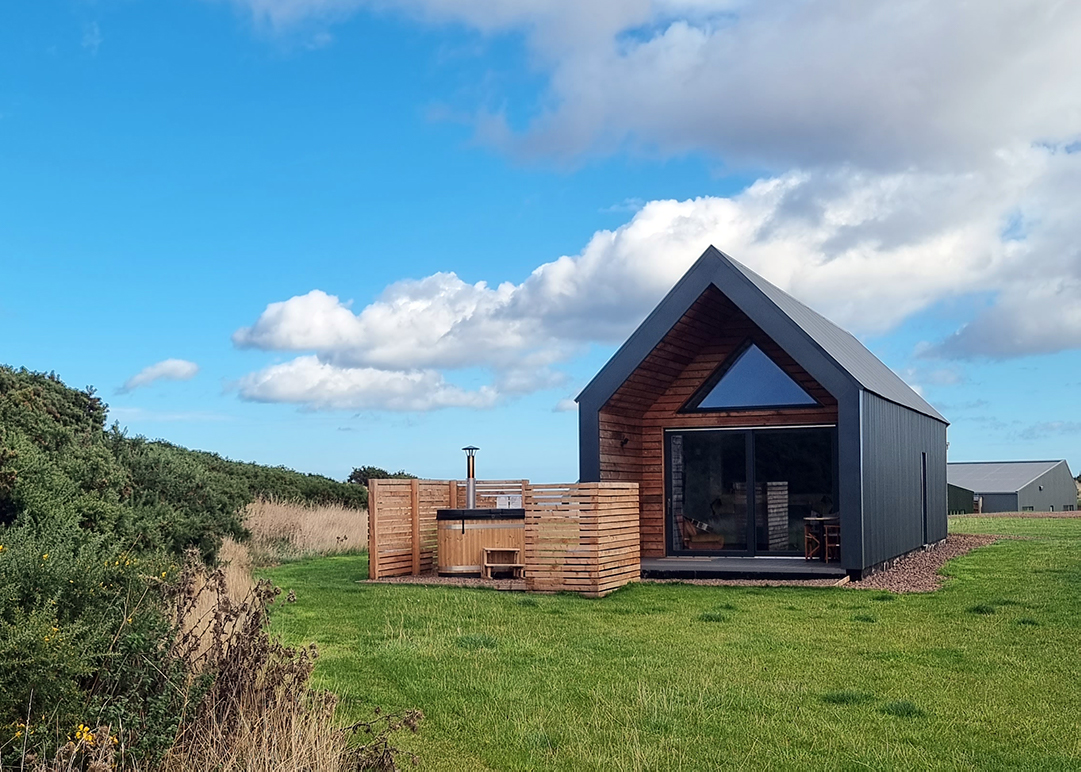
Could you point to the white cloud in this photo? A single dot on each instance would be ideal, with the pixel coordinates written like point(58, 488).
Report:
point(921, 152)
point(307, 381)
point(1041, 430)
point(942, 83)
point(92, 38)
point(166, 370)
point(867, 250)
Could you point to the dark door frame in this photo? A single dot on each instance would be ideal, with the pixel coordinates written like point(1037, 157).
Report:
point(751, 550)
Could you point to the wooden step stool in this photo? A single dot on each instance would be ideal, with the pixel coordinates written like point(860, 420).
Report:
point(502, 559)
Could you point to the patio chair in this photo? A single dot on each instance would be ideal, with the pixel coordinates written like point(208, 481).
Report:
point(831, 533)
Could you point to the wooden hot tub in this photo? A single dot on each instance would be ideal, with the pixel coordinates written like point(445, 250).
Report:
point(463, 535)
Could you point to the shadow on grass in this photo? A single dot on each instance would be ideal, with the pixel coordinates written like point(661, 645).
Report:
point(847, 697)
point(901, 709)
point(712, 616)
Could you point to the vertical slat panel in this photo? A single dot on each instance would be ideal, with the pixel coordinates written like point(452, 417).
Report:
point(414, 516)
point(373, 531)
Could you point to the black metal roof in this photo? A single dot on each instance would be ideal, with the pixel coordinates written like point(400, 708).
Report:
point(758, 299)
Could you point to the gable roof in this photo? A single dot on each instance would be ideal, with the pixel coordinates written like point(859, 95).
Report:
point(758, 298)
point(997, 476)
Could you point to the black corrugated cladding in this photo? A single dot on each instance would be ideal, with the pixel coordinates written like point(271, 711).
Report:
point(895, 440)
point(960, 500)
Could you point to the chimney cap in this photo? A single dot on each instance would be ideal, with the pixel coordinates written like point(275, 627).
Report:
point(470, 449)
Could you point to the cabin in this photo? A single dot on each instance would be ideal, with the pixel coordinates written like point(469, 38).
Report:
point(764, 439)
point(1017, 486)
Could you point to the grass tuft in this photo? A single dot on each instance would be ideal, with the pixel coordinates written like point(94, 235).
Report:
point(712, 616)
point(865, 618)
point(981, 608)
point(884, 596)
point(901, 709)
point(1028, 622)
point(528, 602)
point(476, 642)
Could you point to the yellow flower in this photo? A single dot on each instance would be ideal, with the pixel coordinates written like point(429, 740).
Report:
point(45, 556)
point(162, 574)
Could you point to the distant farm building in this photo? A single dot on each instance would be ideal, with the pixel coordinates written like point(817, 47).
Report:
point(1016, 486)
point(960, 501)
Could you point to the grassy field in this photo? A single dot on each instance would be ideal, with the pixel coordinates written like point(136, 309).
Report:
point(982, 674)
point(1055, 528)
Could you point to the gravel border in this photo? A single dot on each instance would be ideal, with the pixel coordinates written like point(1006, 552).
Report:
point(918, 571)
point(435, 580)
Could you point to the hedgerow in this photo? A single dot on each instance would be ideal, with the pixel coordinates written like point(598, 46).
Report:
point(94, 527)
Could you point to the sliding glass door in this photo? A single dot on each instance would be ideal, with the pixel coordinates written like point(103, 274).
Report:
point(713, 510)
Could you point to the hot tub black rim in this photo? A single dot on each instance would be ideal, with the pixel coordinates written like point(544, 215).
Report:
point(480, 514)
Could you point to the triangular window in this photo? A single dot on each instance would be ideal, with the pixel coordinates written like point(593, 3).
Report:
point(749, 379)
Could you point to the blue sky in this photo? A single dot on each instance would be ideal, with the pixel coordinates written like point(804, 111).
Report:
point(276, 193)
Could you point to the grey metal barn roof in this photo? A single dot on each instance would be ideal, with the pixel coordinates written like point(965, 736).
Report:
point(715, 267)
point(996, 476)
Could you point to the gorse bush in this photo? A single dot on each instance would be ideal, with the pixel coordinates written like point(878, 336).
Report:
point(94, 530)
point(362, 474)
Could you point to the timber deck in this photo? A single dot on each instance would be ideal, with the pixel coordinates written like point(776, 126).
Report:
point(693, 567)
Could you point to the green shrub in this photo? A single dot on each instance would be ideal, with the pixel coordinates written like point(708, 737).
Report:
point(93, 526)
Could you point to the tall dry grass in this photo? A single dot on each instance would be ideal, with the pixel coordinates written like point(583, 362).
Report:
point(260, 712)
point(256, 710)
point(283, 530)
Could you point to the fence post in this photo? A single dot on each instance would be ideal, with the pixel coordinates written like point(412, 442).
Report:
point(414, 506)
point(373, 531)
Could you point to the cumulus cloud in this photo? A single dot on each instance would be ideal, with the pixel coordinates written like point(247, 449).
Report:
point(919, 151)
point(867, 250)
point(944, 83)
point(306, 380)
point(166, 370)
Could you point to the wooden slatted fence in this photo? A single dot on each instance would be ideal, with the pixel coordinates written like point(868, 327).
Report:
point(490, 491)
point(580, 537)
point(583, 538)
point(402, 527)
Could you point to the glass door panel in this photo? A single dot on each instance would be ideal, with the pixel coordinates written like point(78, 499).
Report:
point(707, 489)
point(794, 475)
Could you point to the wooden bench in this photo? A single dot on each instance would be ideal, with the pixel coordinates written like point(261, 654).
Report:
point(502, 559)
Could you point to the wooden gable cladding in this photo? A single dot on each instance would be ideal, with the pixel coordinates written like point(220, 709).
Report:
point(633, 421)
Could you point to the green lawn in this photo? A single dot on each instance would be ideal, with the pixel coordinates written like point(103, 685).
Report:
point(983, 674)
point(1058, 528)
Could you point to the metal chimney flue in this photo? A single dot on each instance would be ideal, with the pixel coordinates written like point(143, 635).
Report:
point(470, 477)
